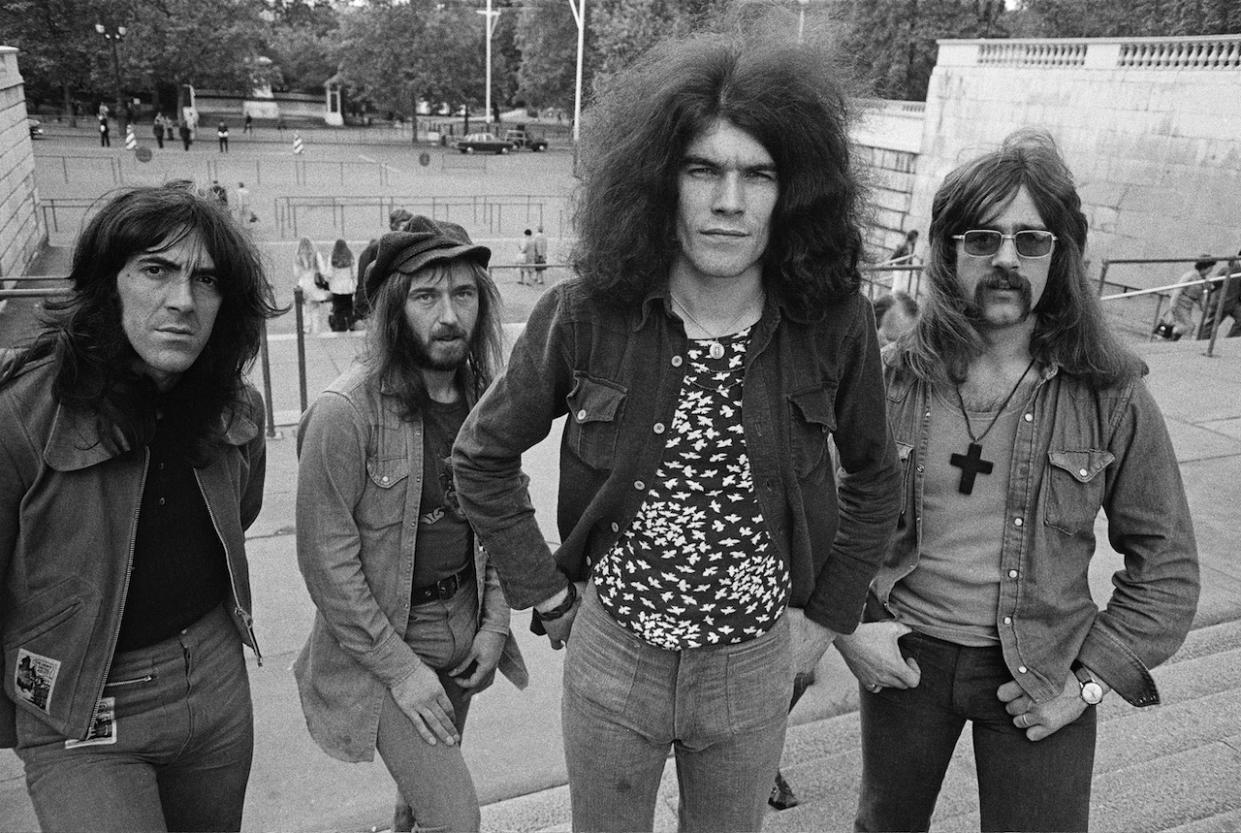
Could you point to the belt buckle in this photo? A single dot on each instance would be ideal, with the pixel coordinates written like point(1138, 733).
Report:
point(447, 587)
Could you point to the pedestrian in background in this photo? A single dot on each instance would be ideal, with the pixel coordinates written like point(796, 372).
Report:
point(525, 256)
point(245, 214)
point(540, 255)
point(187, 136)
point(221, 133)
point(105, 134)
point(341, 283)
point(309, 273)
point(248, 125)
point(157, 129)
point(134, 460)
point(1186, 301)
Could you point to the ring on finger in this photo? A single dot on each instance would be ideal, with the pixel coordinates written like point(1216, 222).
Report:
point(1023, 721)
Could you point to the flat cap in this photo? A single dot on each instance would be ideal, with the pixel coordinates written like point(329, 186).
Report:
point(425, 241)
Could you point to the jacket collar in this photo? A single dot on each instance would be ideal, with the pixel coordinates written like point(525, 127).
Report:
point(776, 307)
point(75, 441)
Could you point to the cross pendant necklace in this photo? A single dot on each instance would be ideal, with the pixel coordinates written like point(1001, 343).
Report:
point(714, 348)
point(971, 463)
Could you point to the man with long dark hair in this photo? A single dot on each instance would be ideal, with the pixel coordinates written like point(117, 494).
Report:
point(411, 620)
point(1018, 415)
point(134, 459)
point(711, 347)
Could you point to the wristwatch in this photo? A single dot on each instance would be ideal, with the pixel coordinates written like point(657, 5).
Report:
point(561, 609)
point(1092, 692)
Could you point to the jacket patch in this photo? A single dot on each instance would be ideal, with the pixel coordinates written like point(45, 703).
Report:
point(35, 679)
point(102, 726)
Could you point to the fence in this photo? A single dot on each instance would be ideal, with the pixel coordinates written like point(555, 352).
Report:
point(358, 217)
point(875, 278)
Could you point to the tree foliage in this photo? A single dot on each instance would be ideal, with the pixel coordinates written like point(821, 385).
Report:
point(1127, 18)
point(546, 37)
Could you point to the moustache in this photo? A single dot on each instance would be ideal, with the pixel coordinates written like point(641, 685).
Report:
point(1006, 281)
point(449, 333)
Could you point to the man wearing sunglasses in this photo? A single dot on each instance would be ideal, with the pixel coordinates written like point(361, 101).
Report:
point(1017, 416)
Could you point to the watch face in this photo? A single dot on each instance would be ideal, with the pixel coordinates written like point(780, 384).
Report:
point(1092, 693)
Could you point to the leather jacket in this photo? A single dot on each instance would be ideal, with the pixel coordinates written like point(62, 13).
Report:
point(68, 517)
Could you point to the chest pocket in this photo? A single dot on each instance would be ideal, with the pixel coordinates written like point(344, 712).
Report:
point(383, 501)
point(595, 408)
point(811, 421)
point(1075, 481)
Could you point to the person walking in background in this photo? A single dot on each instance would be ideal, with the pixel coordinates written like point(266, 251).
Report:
point(1186, 301)
point(219, 192)
point(1225, 294)
point(134, 460)
point(245, 214)
point(105, 134)
point(310, 273)
point(411, 622)
point(540, 255)
point(247, 126)
point(904, 253)
point(1021, 415)
point(707, 556)
point(341, 283)
point(221, 133)
point(157, 130)
point(187, 136)
point(525, 255)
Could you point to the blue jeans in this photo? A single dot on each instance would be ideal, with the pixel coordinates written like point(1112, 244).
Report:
point(176, 753)
point(723, 710)
point(434, 780)
point(908, 736)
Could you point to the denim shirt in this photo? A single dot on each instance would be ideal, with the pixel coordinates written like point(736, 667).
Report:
point(1077, 449)
point(358, 493)
point(618, 375)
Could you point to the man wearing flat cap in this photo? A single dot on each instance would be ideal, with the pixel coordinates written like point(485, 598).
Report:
point(411, 620)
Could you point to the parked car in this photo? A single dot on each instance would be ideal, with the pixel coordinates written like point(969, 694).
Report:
point(36, 128)
point(484, 142)
point(522, 139)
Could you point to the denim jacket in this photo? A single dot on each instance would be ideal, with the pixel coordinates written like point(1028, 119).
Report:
point(1077, 449)
point(618, 376)
point(359, 487)
point(68, 516)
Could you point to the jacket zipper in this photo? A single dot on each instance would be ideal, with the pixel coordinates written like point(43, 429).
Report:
point(129, 571)
point(246, 618)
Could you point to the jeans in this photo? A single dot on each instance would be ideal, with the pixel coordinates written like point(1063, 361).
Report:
point(176, 753)
point(722, 709)
point(908, 736)
point(434, 780)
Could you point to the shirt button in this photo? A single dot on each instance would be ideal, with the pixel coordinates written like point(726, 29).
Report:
point(615, 527)
point(676, 361)
point(1017, 522)
point(383, 479)
point(1029, 417)
point(1083, 472)
point(1021, 669)
point(659, 429)
point(1008, 620)
point(639, 485)
point(920, 469)
point(1012, 574)
point(581, 415)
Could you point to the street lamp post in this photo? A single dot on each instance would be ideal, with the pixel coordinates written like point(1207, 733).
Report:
point(578, 7)
point(491, 25)
point(801, 19)
point(114, 37)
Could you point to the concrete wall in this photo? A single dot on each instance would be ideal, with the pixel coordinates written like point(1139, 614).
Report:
point(21, 229)
point(1151, 128)
point(887, 138)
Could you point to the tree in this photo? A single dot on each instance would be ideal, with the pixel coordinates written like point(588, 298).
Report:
point(1127, 18)
point(305, 56)
point(547, 39)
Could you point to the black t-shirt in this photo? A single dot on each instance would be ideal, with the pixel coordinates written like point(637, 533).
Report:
point(179, 570)
point(445, 542)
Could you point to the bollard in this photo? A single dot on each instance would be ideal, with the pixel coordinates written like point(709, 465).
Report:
point(265, 356)
point(299, 298)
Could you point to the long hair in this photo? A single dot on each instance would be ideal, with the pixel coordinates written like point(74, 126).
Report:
point(787, 97)
point(85, 334)
point(341, 255)
point(391, 345)
point(1070, 329)
point(307, 255)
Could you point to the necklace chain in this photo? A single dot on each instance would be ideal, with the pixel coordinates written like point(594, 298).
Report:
point(723, 332)
point(961, 402)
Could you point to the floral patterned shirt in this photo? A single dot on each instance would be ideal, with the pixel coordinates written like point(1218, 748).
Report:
point(696, 567)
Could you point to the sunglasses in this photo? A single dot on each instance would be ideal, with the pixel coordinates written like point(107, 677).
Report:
point(986, 242)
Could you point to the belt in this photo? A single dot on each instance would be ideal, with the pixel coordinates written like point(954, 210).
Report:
point(443, 589)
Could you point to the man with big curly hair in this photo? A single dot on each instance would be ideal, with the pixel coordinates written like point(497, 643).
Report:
point(710, 349)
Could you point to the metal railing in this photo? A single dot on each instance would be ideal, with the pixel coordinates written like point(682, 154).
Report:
point(486, 214)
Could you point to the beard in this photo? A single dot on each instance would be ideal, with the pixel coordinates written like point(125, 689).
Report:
point(1000, 280)
point(447, 349)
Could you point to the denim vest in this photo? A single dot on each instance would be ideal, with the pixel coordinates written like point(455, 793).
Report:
point(618, 375)
point(1077, 450)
